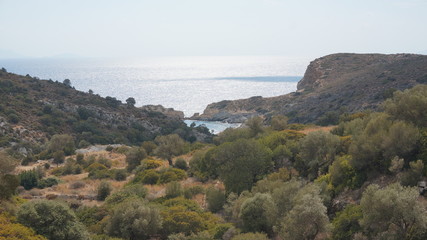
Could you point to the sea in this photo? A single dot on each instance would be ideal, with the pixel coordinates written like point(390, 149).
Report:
point(187, 84)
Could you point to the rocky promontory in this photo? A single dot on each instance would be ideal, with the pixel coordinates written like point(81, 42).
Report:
point(331, 85)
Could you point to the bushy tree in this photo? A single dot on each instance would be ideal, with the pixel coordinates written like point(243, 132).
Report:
point(173, 190)
point(52, 219)
point(134, 219)
point(169, 146)
point(149, 146)
point(411, 176)
point(28, 179)
point(393, 212)
point(215, 199)
point(241, 163)
point(306, 220)
point(258, 213)
point(178, 219)
point(130, 102)
point(318, 150)
point(255, 125)
point(10, 230)
point(181, 164)
point(409, 105)
point(104, 189)
point(380, 140)
point(279, 122)
point(61, 142)
point(346, 223)
point(134, 157)
point(8, 182)
point(58, 157)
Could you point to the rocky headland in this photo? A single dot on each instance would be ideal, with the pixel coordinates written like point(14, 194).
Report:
point(332, 85)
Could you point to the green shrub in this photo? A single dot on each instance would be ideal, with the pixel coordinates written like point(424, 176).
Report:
point(104, 189)
point(47, 182)
point(173, 189)
point(192, 191)
point(150, 164)
point(120, 174)
point(215, 199)
point(181, 164)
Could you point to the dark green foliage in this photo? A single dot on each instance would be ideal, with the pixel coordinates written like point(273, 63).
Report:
point(8, 185)
point(47, 182)
point(134, 220)
point(192, 191)
point(172, 174)
point(8, 182)
point(120, 174)
point(239, 164)
point(393, 212)
point(150, 177)
point(329, 118)
point(58, 157)
point(255, 126)
point(181, 164)
point(414, 174)
point(104, 189)
point(13, 118)
point(52, 219)
point(130, 102)
point(215, 199)
point(318, 150)
point(134, 157)
point(63, 143)
point(279, 122)
point(29, 179)
point(149, 146)
point(258, 213)
point(409, 105)
point(173, 190)
point(170, 146)
point(379, 140)
point(346, 223)
point(84, 113)
point(132, 191)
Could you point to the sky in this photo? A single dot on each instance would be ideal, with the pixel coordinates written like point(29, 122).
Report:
point(135, 28)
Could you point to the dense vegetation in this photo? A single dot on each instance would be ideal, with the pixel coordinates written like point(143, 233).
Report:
point(266, 180)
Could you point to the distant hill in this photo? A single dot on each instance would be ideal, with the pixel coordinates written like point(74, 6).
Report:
point(332, 85)
point(32, 109)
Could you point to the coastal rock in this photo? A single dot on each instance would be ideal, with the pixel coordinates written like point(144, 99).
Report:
point(170, 112)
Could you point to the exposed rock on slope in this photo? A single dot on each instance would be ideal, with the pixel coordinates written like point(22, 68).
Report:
point(331, 85)
point(35, 109)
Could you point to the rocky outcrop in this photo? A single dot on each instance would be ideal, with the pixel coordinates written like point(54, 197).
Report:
point(170, 112)
point(331, 85)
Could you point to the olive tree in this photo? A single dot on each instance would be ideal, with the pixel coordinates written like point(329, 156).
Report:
point(241, 163)
point(169, 146)
point(306, 220)
point(134, 219)
point(393, 212)
point(258, 213)
point(317, 151)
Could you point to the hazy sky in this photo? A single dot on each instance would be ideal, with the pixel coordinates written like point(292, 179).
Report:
point(113, 28)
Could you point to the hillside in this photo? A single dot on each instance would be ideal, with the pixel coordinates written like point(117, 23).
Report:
point(33, 110)
point(332, 85)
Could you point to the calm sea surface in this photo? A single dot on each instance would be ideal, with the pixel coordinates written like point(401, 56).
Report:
point(188, 84)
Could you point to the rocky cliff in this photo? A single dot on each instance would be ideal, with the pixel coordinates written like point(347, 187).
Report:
point(331, 85)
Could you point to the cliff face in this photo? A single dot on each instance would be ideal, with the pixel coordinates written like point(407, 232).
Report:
point(332, 85)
